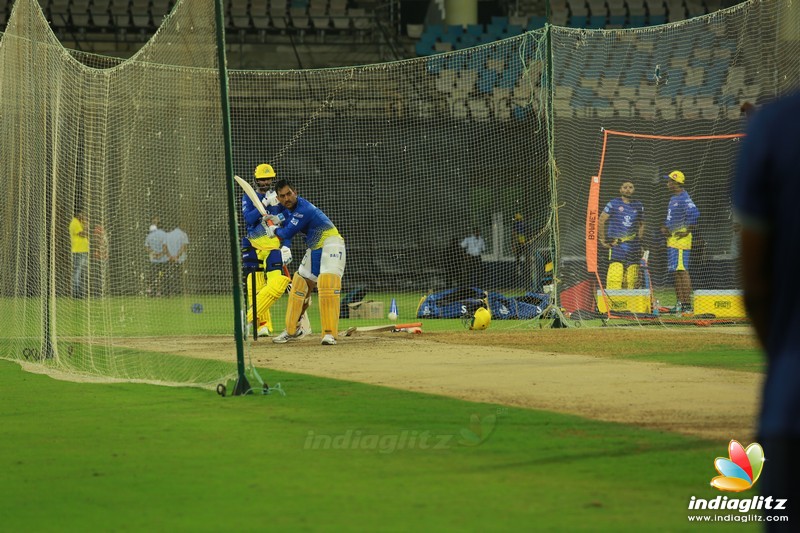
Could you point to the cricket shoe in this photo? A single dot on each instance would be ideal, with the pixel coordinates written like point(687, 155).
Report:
point(328, 340)
point(263, 331)
point(283, 338)
point(300, 333)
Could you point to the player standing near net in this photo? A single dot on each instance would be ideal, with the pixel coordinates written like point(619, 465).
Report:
point(624, 218)
point(270, 285)
point(765, 193)
point(79, 245)
point(322, 266)
point(679, 225)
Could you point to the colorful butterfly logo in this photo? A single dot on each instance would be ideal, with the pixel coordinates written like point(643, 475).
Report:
point(741, 470)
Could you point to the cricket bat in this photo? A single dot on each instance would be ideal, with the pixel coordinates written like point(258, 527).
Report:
point(388, 327)
point(251, 193)
point(646, 278)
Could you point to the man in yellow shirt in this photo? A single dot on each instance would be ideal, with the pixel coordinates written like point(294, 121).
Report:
point(80, 253)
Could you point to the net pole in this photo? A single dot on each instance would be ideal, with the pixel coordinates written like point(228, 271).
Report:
point(555, 256)
point(242, 386)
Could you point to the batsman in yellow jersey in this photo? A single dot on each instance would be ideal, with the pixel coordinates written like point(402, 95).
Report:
point(273, 282)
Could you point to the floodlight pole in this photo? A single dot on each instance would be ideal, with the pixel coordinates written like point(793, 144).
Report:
point(242, 385)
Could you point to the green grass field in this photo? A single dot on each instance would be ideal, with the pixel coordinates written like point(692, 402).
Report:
point(134, 457)
point(336, 455)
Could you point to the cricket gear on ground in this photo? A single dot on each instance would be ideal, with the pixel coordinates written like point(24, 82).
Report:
point(676, 176)
point(481, 319)
point(330, 291)
point(264, 171)
point(270, 293)
point(286, 255)
point(270, 199)
point(297, 297)
point(328, 340)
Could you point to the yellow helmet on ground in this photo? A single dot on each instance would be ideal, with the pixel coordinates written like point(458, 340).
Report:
point(264, 171)
point(481, 319)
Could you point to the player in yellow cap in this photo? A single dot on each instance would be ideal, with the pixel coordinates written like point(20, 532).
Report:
point(679, 225)
point(269, 251)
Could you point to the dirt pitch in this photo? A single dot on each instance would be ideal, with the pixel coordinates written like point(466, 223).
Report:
point(511, 369)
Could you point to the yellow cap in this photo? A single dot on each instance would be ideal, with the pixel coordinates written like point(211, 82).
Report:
point(676, 176)
point(264, 171)
point(518, 216)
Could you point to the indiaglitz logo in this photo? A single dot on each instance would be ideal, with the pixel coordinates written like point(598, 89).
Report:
point(741, 470)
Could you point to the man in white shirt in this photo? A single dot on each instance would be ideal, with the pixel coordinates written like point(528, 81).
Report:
point(474, 245)
point(177, 243)
point(156, 247)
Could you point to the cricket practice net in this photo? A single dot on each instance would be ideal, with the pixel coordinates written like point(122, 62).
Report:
point(131, 144)
point(412, 161)
point(634, 105)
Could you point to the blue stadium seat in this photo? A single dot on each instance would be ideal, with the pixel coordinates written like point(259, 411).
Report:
point(500, 21)
point(424, 48)
point(435, 30)
point(457, 61)
point(578, 21)
point(487, 79)
point(513, 30)
point(534, 23)
point(616, 21)
point(597, 22)
point(475, 29)
point(657, 20)
point(495, 30)
point(451, 38)
point(455, 29)
point(467, 41)
point(637, 21)
point(508, 79)
point(476, 59)
point(436, 63)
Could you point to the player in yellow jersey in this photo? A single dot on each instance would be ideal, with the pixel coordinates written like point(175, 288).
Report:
point(272, 283)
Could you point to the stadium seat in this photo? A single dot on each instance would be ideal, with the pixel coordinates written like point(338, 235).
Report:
point(455, 29)
point(513, 30)
point(637, 21)
point(578, 21)
point(487, 79)
point(657, 20)
point(424, 48)
point(535, 23)
point(597, 22)
point(500, 21)
point(475, 29)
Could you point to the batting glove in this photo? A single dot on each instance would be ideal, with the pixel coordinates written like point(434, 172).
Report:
point(286, 255)
point(270, 199)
